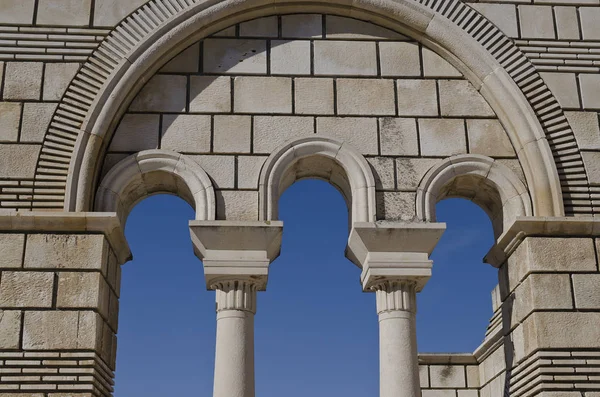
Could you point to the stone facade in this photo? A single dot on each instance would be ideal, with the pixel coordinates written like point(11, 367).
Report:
point(398, 104)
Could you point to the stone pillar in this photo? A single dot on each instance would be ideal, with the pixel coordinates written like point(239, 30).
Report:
point(394, 258)
point(236, 258)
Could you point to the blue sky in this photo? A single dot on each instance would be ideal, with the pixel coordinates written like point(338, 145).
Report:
point(316, 331)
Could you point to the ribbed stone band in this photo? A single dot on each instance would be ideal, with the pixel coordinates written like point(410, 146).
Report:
point(396, 295)
point(235, 295)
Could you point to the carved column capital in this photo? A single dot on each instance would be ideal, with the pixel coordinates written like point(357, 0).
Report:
point(235, 295)
point(396, 295)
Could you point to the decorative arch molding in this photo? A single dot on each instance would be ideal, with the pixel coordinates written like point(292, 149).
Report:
point(90, 110)
point(322, 158)
point(152, 172)
point(491, 185)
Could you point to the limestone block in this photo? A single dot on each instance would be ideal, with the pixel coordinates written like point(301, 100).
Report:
point(589, 22)
point(188, 61)
point(163, 93)
point(445, 376)
point(302, 26)
point(64, 12)
point(83, 290)
point(17, 11)
point(590, 90)
point(237, 205)
point(591, 160)
point(343, 58)
point(438, 393)
point(221, 169)
point(410, 171)
point(460, 98)
point(348, 28)
point(488, 137)
point(313, 95)
point(210, 94)
point(399, 59)
point(66, 251)
point(436, 66)
point(110, 12)
point(10, 119)
point(586, 128)
point(11, 250)
point(26, 289)
point(472, 376)
point(249, 168)
point(365, 97)
point(396, 206)
point(36, 120)
point(361, 133)
point(136, 132)
point(61, 330)
point(232, 134)
point(383, 171)
point(110, 160)
point(515, 167)
point(424, 376)
point(227, 32)
point(272, 132)
point(540, 292)
point(260, 27)
point(537, 22)
point(398, 136)
point(468, 393)
point(567, 23)
point(564, 88)
point(587, 293)
point(417, 98)
point(18, 161)
point(290, 57)
point(186, 133)
point(275, 94)
point(235, 56)
point(10, 329)
point(23, 80)
point(442, 137)
point(504, 16)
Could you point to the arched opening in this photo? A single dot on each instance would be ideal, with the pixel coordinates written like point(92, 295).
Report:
point(166, 328)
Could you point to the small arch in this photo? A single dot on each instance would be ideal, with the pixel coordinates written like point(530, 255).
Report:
point(152, 172)
point(481, 179)
point(320, 158)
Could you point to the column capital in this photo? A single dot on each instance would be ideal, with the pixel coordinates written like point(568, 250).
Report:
point(389, 251)
point(236, 251)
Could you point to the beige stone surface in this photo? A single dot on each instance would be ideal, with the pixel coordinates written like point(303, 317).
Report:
point(436, 66)
point(187, 61)
point(64, 12)
point(417, 98)
point(235, 56)
point(227, 32)
point(536, 22)
point(590, 94)
point(186, 133)
point(275, 94)
point(398, 136)
point(504, 16)
point(290, 57)
point(163, 93)
point(110, 12)
point(542, 292)
point(221, 169)
point(79, 290)
point(586, 128)
point(424, 376)
point(210, 94)
point(567, 24)
point(11, 250)
point(587, 293)
point(237, 205)
point(313, 95)
point(26, 289)
point(398, 206)
point(460, 98)
point(360, 133)
point(472, 376)
point(22, 80)
point(591, 160)
point(446, 376)
point(488, 137)
point(36, 119)
point(232, 134)
point(249, 168)
point(399, 59)
point(349, 28)
point(365, 97)
point(260, 27)
point(18, 161)
point(383, 171)
point(345, 58)
point(272, 132)
point(66, 251)
point(410, 171)
point(302, 26)
point(564, 88)
point(17, 11)
point(61, 330)
point(438, 393)
point(589, 22)
point(10, 329)
point(442, 137)
point(10, 119)
point(136, 132)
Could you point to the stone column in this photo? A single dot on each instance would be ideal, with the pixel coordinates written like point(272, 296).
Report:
point(394, 258)
point(236, 258)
